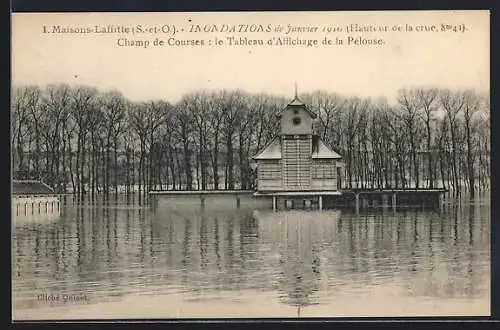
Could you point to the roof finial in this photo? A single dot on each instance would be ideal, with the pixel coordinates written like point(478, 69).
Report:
point(296, 90)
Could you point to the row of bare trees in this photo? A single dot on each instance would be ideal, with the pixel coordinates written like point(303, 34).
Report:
point(430, 138)
point(91, 143)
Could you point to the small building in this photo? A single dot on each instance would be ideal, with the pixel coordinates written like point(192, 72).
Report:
point(298, 168)
point(33, 198)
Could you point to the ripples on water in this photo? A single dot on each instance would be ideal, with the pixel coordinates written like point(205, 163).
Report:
point(294, 258)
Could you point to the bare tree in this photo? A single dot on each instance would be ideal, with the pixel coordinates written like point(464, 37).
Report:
point(443, 152)
point(409, 102)
point(198, 107)
point(166, 133)
point(23, 98)
point(246, 128)
point(129, 147)
point(266, 108)
point(453, 104)
point(82, 101)
point(355, 113)
point(183, 130)
point(158, 115)
point(55, 107)
point(215, 120)
point(427, 99)
point(230, 121)
point(482, 146)
point(112, 105)
point(399, 140)
point(470, 108)
point(139, 124)
point(328, 108)
point(34, 117)
point(97, 155)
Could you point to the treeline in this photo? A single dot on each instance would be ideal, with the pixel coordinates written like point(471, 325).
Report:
point(87, 142)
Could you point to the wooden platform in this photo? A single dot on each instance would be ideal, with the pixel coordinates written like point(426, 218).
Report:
point(356, 198)
point(394, 197)
point(298, 193)
point(199, 192)
point(393, 190)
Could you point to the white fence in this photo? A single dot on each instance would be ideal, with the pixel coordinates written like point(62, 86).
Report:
point(35, 206)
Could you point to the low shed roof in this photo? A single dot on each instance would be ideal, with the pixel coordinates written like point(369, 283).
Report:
point(325, 152)
point(30, 187)
point(271, 151)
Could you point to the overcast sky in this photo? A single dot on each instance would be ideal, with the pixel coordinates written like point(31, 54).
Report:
point(441, 59)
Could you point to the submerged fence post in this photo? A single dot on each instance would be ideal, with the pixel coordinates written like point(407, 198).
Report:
point(154, 202)
point(394, 200)
point(365, 202)
point(356, 197)
point(441, 201)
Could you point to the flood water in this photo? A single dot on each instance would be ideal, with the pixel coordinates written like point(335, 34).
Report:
point(130, 262)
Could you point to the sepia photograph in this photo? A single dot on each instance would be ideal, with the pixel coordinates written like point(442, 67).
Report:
point(286, 165)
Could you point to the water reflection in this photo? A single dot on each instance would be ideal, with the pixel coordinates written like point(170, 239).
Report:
point(300, 258)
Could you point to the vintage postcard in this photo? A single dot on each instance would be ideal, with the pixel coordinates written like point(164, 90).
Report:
point(250, 165)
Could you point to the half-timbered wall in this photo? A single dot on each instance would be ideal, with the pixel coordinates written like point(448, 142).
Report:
point(269, 175)
point(324, 174)
point(296, 151)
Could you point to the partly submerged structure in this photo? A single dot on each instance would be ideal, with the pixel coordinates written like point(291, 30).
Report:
point(298, 170)
point(297, 167)
point(32, 198)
